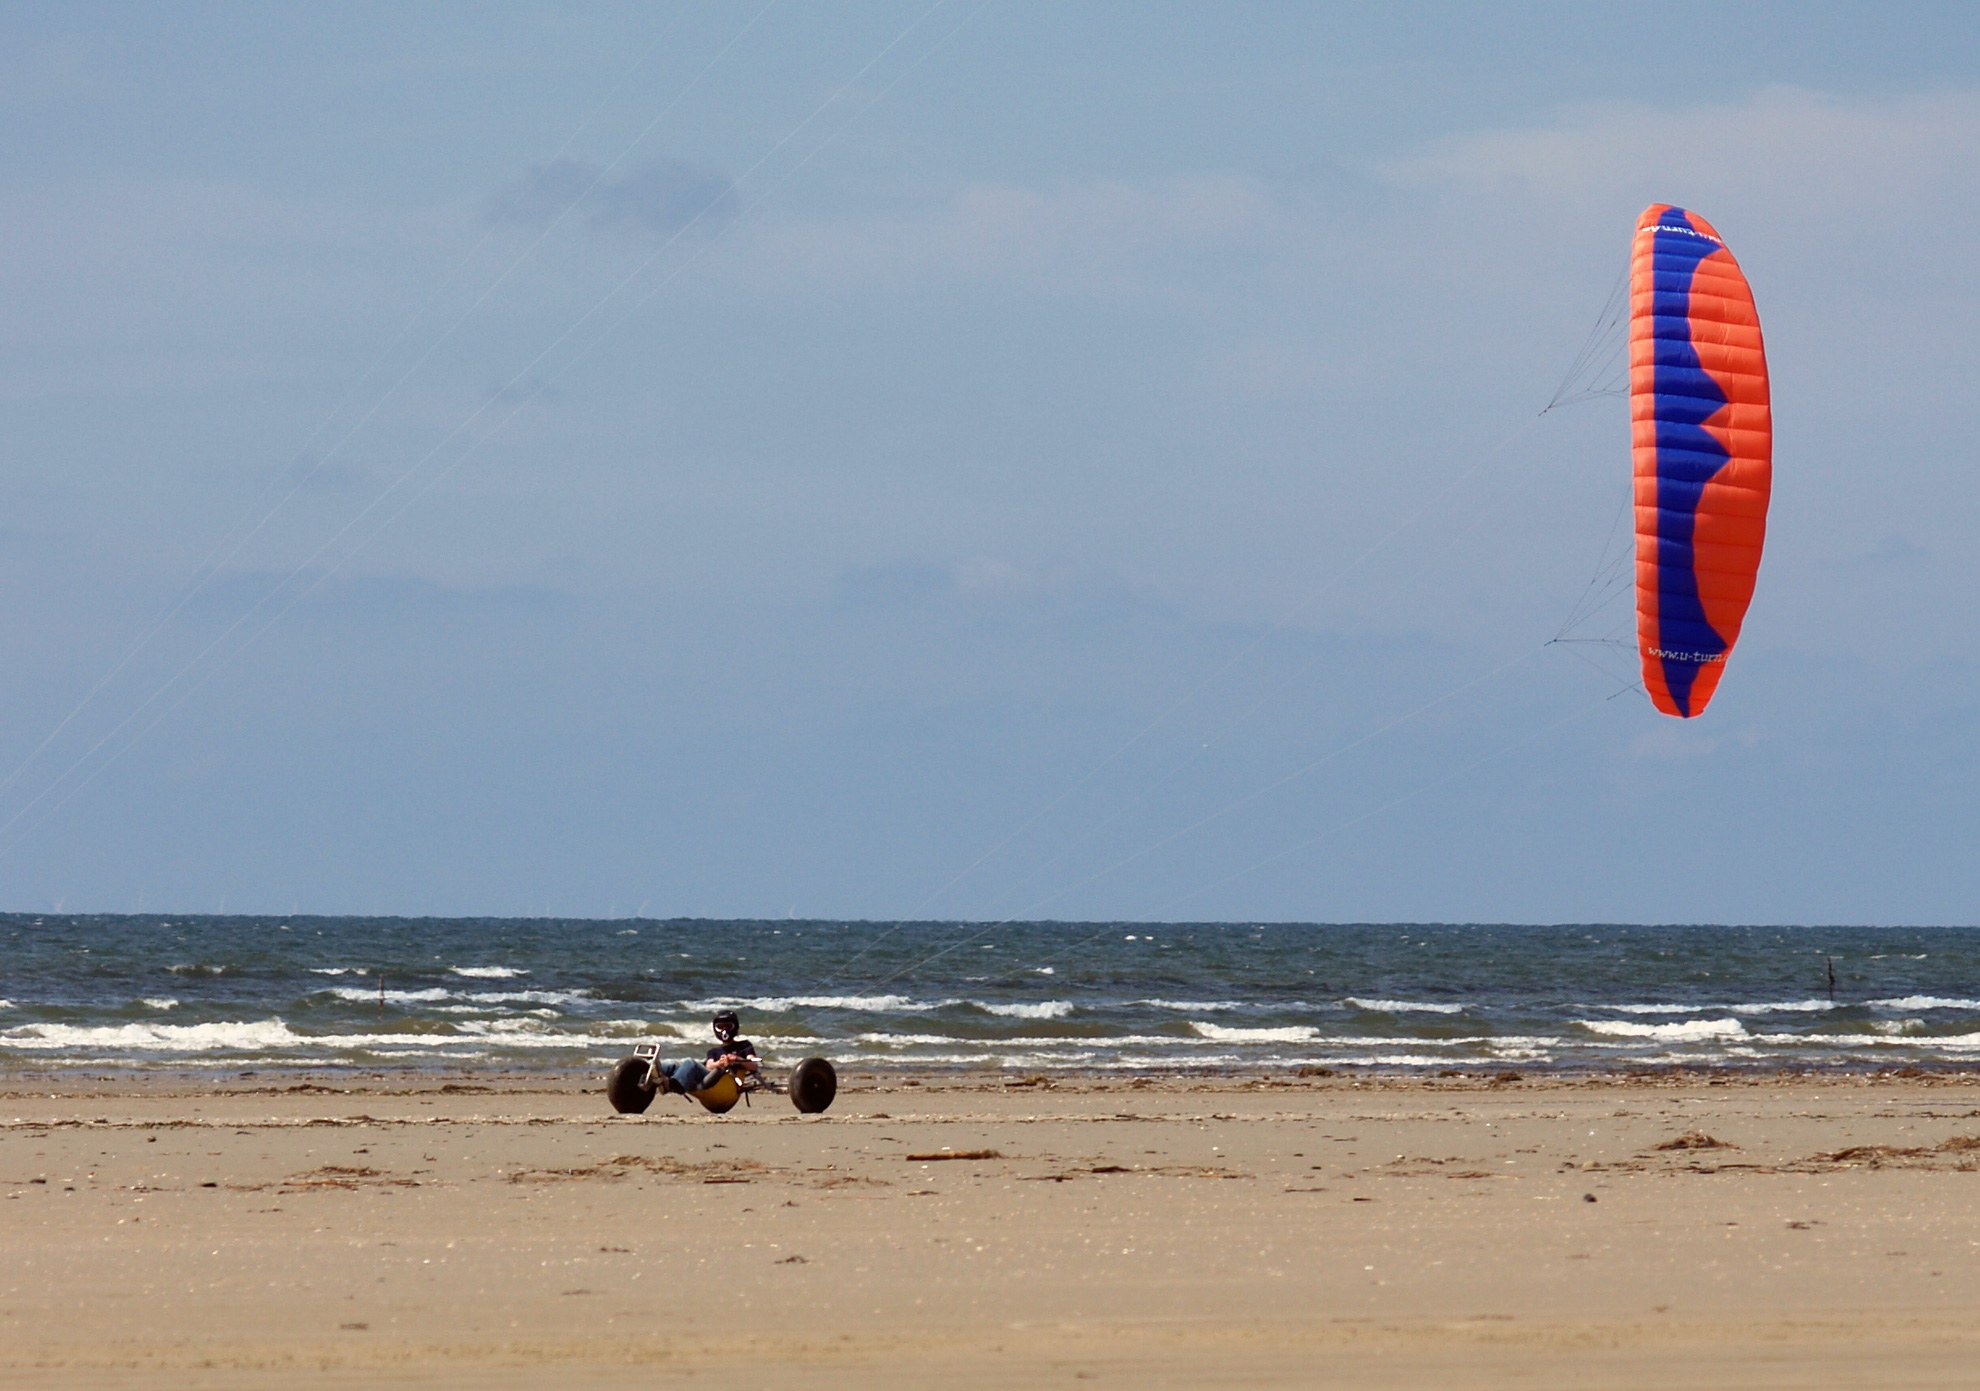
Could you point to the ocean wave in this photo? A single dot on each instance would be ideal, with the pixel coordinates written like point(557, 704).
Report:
point(505, 1028)
point(779, 1004)
point(1784, 1007)
point(274, 1037)
point(530, 997)
point(1404, 1006)
point(1920, 1043)
point(1388, 1060)
point(1756, 1007)
point(336, 971)
point(434, 995)
point(1690, 1031)
point(1191, 1006)
point(168, 1038)
point(189, 968)
point(1075, 1044)
point(1047, 1009)
point(487, 972)
point(1911, 1002)
point(159, 1002)
point(1524, 1045)
point(391, 997)
point(1297, 1033)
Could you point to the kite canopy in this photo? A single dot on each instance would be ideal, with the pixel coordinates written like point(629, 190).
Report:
point(1703, 441)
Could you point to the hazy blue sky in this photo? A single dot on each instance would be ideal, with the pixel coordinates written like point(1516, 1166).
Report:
point(738, 460)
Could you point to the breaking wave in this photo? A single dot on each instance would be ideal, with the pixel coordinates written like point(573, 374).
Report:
point(1404, 1007)
point(1298, 1033)
point(1690, 1031)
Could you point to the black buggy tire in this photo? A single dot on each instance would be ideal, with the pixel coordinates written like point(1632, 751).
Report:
point(626, 1089)
point(813, 1085)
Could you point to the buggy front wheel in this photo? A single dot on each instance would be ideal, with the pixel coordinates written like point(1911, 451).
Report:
point(813, 1085)
point(626, 1088)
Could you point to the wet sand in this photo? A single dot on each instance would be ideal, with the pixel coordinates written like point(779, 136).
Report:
point(423, 1230)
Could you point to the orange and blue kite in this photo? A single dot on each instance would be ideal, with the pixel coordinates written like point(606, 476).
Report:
point(1703, 440)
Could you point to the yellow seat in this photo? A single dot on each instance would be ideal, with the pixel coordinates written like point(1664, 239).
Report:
point(720, 1093)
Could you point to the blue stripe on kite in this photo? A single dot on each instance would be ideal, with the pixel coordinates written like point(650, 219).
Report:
point(1687, 456)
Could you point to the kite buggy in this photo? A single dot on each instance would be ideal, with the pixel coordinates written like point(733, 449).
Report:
point(730, 1073)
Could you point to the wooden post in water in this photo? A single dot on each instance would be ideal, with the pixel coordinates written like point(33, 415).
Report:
point(1832, 978)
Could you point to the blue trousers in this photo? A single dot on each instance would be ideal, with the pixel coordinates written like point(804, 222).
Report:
point(691, 1075)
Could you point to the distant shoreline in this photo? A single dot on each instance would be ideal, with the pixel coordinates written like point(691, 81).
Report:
point(351, 1080)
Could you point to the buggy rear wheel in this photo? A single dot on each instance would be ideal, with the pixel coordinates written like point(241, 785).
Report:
point(626, 1089)
point(813, 1085)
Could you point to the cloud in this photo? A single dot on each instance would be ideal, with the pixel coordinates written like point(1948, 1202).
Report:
point(977, 580)
point(378, 597)
point(1893, 551)
point(1670, 744)
point(1848, 169)
point(888, 585)
point(658, 198)
point(1102, 234)
point(528, 388)
point(55, 71)
point(314, 475)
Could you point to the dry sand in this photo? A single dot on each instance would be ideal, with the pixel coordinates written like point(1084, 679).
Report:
point(416, 1230)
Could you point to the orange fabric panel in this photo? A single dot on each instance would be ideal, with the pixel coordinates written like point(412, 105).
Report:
point(1701, 431)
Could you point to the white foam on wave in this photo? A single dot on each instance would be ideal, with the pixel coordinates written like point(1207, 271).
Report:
point(487, 972)
point(507, 1028)
point(392, 997)
point(1404, 1006)
point(1191, 1006)
point(889, 1040)
point(157, 1038)
point(1919, 1043)
point(1388, 1060)
point(6, 1004)
point(335, 971)
point(1909, 1002)
point(529, 997)
point(778, 1004)
point(1044, 1009)
point(1296, 1033)
point(1689, 1031)
point(1756, 1007)
point(433, 995)
point(159, 1002)
point(1522, 1045)
point(473, 1038)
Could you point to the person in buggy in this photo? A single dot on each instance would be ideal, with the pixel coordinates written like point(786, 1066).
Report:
point(730, 1054)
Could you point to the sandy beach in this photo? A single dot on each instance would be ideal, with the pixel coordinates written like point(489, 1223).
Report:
point(423, 1229)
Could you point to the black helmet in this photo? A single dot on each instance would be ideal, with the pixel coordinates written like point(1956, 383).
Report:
point(727, 1026)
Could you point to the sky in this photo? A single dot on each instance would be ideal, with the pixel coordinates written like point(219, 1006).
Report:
point(950, 459)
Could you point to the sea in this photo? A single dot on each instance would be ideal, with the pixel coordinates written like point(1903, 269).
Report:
point(188, 993)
